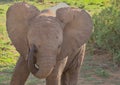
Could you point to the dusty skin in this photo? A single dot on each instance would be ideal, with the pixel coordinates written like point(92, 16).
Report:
point(51, 46)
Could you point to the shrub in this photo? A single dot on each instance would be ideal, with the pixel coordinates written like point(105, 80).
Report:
point(107, 31)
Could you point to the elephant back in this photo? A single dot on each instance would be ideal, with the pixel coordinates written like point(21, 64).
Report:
point(18, 17)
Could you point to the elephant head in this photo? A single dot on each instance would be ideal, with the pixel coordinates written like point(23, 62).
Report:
point(46, 37)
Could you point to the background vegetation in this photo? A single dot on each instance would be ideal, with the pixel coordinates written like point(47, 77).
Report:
point(105, 38)
point(107, 30)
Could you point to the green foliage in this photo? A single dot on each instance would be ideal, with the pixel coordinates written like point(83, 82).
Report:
point(107, 31)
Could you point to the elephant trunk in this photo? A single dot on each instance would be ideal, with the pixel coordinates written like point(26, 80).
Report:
point(32, 60)
point(39, 68)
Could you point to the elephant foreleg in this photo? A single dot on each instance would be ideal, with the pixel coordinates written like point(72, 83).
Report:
point(70, 77)
point(73, 77)
point(65, 79)
point(21, 72)
point(55, 77)
point(53, 80)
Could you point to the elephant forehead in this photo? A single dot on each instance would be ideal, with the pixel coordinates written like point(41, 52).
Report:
point(44, 21)
point(45, 25)
point(45, 30)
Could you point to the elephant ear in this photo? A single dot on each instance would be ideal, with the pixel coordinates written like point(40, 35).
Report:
point(77, 28)
point(18, 17)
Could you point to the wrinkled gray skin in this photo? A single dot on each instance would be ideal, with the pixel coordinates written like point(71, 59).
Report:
point(51, 46)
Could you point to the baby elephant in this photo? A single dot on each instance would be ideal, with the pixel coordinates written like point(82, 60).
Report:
point(51, 44)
